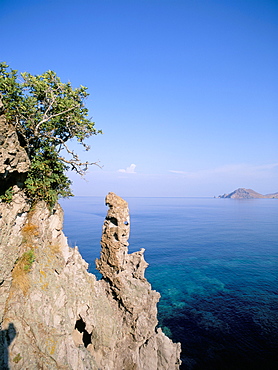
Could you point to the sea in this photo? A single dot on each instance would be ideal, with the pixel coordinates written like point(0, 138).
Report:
point(215, 264)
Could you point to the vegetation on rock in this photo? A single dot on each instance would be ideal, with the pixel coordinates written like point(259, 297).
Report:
point(8, 195)
point(28, 258)
point(46, 114)
point(22, 267)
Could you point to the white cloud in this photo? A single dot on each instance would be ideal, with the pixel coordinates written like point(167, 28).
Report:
point(180, 172)
point(231, 170)
point(130, 169)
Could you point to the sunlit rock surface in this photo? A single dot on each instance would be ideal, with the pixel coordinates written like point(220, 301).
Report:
point(14, 162)
point(56, 315)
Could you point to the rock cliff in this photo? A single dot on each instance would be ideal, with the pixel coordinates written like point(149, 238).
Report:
point(14, 162)
point(56, 315)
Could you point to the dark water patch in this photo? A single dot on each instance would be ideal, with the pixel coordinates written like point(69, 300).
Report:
point(215, 263)
point(221, 332)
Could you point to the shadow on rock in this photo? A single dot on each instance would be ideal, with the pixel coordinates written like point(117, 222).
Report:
point(6, 338)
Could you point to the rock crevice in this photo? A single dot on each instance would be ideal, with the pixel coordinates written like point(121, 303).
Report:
point(14, 161)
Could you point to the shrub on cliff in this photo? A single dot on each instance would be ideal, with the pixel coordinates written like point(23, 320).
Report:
point(46, 114)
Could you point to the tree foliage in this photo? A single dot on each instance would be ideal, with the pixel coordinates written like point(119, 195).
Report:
point(47, 114)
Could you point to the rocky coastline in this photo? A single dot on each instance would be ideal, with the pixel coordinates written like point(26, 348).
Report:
point(54, 314)
point(242, 193)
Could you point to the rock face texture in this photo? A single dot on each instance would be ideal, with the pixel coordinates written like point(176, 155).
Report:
point(56, 315)
point(14, 162)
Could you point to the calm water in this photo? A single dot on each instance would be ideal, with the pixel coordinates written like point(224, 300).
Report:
point(215, 263)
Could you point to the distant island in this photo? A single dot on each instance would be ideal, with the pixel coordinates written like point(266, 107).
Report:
point(242, 193)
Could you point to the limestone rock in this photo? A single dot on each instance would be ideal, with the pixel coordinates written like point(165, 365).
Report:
point(56, 315)
point(1, 106)
point(124, 272)
point(14, 162)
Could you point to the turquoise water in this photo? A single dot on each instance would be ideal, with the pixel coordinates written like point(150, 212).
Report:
point(215, 263)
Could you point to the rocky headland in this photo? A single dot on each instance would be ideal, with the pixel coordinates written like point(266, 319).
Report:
point(243, 193)
point(54, 314)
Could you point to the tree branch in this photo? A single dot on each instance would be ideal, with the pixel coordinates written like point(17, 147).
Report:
point(76, 164)
point(50, 117)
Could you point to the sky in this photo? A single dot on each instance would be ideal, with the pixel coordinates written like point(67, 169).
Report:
point(185, 91)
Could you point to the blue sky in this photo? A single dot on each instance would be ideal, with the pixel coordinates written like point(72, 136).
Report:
point(184, 91)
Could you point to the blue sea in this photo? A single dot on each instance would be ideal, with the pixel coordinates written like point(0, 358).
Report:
point(215, 263)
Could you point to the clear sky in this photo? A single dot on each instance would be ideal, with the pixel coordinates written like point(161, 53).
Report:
point(185, 91)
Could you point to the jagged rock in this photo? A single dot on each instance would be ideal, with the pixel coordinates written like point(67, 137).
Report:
point(14, 162)
point(56, 315)
point(125, 272)
point(53, 313)
point(1, 106)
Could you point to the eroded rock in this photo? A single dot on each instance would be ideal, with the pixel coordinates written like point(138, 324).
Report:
point(14, 161)
point(53, 313)
point(56, 315)
point(124, 272)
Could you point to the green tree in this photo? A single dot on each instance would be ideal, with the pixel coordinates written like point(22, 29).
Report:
point(47, 114)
